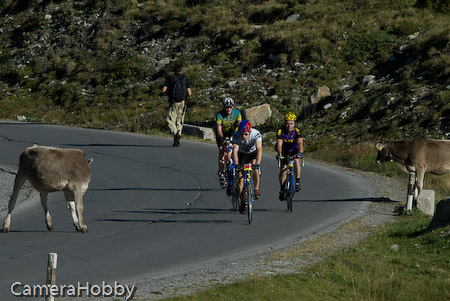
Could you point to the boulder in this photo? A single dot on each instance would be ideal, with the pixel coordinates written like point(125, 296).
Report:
point(199, 131)
point(425, 202)
point(258, 115)
point(441, 217)
point(319, 94)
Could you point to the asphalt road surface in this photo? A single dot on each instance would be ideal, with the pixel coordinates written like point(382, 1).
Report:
point(153, 209)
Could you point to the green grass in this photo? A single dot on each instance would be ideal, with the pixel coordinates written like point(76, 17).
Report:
point(370, 270)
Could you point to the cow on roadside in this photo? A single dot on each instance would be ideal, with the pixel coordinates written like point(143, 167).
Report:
point(51, 169)
point(417, 156)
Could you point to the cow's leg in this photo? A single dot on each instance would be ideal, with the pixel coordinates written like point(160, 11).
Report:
point(70, 202)
point(420, 173)
point(18, 183)
point(410, 196)
point(79, 205)
point(48, 218)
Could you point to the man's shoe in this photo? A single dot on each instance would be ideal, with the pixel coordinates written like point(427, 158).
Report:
point(242, 209)
point(176, 140)
point(281, 196)
point(297, 186)
point(257, 194)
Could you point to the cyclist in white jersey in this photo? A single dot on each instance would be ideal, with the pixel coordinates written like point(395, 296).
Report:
point(247, 148)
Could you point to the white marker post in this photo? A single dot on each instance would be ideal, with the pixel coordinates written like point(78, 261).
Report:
point(51, 272)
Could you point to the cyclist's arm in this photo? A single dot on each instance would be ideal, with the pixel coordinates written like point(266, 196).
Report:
point(235, 153)
point(279, 146)
point(259, 151)
point(300, 144)
point(219, 130)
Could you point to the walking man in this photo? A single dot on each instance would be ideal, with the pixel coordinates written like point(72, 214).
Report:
point(178, 89)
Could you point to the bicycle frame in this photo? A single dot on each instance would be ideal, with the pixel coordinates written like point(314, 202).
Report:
point(249, 192)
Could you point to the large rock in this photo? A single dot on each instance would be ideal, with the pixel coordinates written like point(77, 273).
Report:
point(199, 131)
point(425, 201)
point(441, 217)
point(259, 114)
point(319, 94)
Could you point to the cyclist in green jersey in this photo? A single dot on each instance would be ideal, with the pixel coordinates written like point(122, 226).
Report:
point(227, 121)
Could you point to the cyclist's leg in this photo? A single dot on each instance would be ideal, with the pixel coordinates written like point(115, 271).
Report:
point(297, 173)
point(240, 179)
point(282, 177)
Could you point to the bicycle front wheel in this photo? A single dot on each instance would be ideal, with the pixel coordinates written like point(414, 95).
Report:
point(290, 192)
point(249, 204)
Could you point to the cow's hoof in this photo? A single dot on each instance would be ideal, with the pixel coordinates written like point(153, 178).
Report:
point(5, 230)
point(81, 229)
point(50, 227)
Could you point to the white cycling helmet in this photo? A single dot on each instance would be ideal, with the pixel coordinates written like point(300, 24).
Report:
point(228, 102)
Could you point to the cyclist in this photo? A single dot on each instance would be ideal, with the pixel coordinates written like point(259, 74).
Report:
point(247, 148)
point(227, 121)
point(289, 142)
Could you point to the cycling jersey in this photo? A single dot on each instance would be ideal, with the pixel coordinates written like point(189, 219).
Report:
point(228, 124)
point(249, 146)
point(290, 145)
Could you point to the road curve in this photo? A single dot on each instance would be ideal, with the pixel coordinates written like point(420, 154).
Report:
point(153, 209)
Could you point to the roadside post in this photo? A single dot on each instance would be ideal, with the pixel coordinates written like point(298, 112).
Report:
point(51, 273)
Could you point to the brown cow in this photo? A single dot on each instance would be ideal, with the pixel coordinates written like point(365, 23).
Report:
point(51, 169)
point(417, 156)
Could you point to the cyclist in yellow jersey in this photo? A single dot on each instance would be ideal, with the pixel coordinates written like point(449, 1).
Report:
point(227, 121)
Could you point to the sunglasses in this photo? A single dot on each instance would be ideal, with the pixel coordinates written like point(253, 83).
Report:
point(246, 134)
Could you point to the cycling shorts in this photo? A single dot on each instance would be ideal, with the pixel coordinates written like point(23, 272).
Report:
point(246, 158)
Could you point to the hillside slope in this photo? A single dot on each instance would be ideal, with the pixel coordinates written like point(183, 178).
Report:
point(101, 63)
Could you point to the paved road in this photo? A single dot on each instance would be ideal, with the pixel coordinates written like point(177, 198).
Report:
point(140, 223)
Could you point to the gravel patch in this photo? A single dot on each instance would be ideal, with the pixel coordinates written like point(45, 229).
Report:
point(6, 187)
point(288, 258)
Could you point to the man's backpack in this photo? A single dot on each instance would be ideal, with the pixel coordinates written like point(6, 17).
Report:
point(179, 90)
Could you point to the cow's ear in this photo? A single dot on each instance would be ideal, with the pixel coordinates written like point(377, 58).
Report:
point(379, 146)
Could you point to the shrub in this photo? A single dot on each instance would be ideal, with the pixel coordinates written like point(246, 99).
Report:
point(370, 46)
point(437, 5)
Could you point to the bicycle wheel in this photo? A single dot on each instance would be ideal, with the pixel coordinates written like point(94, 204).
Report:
point(289, 194)
point(249, 203)
point(235, 198)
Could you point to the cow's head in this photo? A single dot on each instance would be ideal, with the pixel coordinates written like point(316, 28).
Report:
point(384, 153)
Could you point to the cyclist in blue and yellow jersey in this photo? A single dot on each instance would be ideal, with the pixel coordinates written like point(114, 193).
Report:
point(289, 142)
point(227, 121)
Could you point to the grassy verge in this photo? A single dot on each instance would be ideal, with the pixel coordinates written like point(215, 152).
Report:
point(397, 262)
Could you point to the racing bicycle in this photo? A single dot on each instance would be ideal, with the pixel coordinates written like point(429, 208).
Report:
point(232, 181)
point(223, 174)
point(249, 191)
point(289, 186)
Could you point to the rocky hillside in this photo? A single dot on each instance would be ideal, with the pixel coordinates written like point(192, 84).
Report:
point(101, 63)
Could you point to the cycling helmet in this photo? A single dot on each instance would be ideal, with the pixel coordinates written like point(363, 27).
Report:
point(290, 116)
point(245, 126)
point(228, 102)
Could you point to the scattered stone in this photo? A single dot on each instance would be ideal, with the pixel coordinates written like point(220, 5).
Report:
point(293, 18)
point(368, 80)
point(394, 248)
